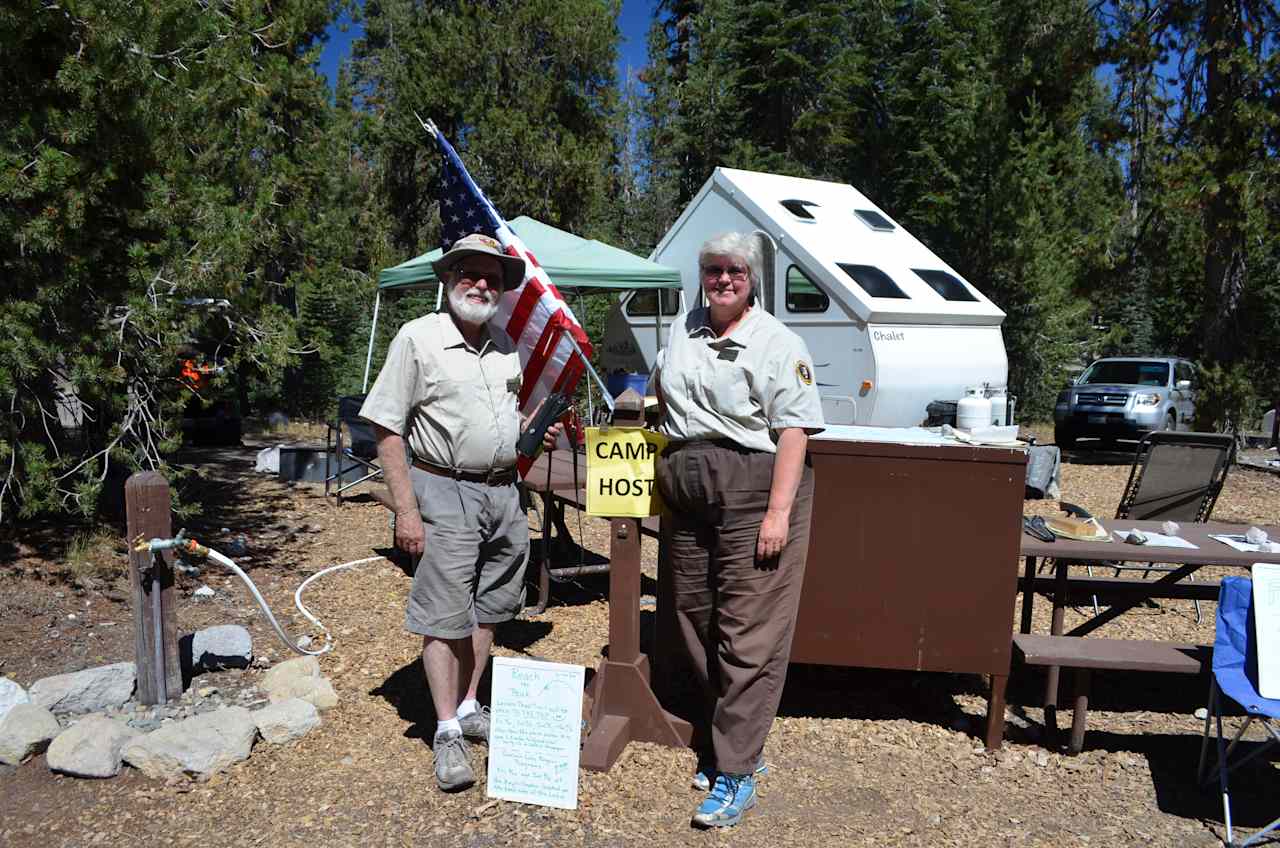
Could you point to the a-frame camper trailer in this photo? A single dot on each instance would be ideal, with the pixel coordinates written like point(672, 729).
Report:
point(891, 327)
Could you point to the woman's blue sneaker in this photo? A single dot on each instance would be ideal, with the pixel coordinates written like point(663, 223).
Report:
point(729, 799)
point(702, 777)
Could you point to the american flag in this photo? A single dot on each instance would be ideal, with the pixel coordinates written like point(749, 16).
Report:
point(534, 315)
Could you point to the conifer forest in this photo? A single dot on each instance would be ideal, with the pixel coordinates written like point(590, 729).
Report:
point(179, 172)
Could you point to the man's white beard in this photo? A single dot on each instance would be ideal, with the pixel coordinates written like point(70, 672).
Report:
point(472, 313)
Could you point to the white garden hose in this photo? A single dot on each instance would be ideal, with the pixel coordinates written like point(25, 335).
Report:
point(191, 547)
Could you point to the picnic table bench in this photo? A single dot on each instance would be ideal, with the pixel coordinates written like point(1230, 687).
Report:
point(1083, 655)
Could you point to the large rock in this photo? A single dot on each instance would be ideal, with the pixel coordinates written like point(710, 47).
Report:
point(11, 694)
point(287, 720)
point(196, 747)
point(92, 747)
point(89, 691)
point(224, 646)
point(299, 678)
point(25, 730)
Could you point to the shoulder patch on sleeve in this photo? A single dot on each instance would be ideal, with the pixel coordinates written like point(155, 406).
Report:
point(803, 372)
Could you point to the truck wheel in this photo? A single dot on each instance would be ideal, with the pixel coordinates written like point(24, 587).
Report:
point(1064, 438)
point(1171, 421)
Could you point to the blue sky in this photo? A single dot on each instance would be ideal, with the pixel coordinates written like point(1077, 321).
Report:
point(633, 21)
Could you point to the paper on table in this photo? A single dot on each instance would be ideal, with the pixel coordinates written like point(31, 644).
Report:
point(1157, 540)
point(1240, 543)
point(536, 732)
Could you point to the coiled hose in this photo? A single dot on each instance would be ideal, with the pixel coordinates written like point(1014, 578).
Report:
point(191, 548)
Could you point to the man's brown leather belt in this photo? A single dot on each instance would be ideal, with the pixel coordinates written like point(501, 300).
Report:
point(494, 477)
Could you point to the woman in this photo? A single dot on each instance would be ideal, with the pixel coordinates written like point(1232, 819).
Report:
point(739, 403)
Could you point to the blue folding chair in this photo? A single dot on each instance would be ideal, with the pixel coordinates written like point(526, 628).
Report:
point(1235, 677)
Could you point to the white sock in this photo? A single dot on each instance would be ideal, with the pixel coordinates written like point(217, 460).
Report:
point(447, 725)
point(468, 707)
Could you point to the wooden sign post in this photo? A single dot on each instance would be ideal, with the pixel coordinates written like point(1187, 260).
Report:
point(623, 706)
point(155, 630)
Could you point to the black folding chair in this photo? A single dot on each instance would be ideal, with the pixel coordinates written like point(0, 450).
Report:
point(351, 445)
point(1175, 477)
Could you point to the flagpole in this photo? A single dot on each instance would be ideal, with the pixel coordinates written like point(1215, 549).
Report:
point(604, 390)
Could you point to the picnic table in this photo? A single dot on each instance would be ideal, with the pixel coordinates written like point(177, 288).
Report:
point(1069, 649)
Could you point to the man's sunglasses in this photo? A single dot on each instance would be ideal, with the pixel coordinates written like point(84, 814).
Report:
point(493, 279)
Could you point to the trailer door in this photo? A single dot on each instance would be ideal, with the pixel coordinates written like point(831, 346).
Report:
point(836, 341)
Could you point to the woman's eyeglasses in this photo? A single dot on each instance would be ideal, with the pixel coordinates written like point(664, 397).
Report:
point(713, 272)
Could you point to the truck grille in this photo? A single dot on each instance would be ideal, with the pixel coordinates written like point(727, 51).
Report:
point(1099, 399)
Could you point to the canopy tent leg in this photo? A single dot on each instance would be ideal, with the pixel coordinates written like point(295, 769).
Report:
point(368, 359)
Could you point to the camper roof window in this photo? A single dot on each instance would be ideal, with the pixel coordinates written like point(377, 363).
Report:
point(951, 288)
point(800, 208)
point(873, 281)
point(874, 220)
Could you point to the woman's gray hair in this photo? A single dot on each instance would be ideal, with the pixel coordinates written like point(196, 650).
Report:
point(744, 246)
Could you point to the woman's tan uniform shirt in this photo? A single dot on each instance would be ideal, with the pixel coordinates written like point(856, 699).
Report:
point(757, 379)
point(457, 406)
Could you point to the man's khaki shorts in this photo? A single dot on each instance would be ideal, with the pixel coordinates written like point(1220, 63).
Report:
point(472, 568)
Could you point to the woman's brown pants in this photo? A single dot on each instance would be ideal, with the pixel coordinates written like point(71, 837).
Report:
point(735, 615)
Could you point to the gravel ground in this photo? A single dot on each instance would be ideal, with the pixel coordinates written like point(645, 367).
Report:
point(857, 756)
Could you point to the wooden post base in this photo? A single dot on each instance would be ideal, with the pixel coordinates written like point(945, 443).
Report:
point(624, 709)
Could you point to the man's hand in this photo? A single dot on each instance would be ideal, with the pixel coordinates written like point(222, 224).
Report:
point(552, 435)
point(410, 534)
point(773, 533)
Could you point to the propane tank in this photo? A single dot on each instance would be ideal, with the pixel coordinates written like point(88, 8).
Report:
point(973, 410)
point(999, 406)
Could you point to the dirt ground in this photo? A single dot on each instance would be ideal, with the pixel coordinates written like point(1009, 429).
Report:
point(857, 756)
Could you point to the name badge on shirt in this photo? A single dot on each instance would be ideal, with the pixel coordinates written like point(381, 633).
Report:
point(728, 354)
point(513, 384)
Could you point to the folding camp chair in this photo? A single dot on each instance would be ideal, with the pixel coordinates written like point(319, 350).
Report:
point(1235, 669)
point(350, 443)
point(1175, 477)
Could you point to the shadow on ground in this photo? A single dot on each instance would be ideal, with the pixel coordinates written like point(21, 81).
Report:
point(406, 688)
point(1096, 452)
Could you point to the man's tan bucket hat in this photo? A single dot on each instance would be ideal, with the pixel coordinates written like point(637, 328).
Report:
point(478, 244)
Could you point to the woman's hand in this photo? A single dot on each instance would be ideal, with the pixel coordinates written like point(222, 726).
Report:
point(773, 533)
point(410, 534)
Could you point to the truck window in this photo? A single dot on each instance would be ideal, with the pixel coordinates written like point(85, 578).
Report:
point(873, 281)
point(803, 294)
point(642, 303)
point(1127, 372)
point(950, 287)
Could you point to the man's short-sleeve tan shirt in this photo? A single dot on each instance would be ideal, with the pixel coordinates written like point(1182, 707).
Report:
point(756, 380)
point(457, 406)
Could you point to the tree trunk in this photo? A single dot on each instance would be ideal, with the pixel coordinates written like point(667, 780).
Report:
point(1224, 264)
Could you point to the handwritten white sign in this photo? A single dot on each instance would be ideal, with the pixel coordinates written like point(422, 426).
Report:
point(536, 732)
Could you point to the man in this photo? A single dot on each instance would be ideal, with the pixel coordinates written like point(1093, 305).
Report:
point(453, 389)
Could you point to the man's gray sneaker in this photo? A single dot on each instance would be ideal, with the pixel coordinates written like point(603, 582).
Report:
point(476, 725)
point(453, 770)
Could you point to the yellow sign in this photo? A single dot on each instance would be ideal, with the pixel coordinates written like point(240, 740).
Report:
point(620, 472)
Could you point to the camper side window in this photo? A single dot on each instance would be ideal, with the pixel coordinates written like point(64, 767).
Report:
point(643, 303)
point(803, 294)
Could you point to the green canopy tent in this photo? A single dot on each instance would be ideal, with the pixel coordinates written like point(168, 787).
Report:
point(574, 264)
